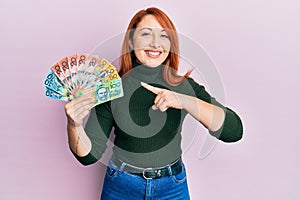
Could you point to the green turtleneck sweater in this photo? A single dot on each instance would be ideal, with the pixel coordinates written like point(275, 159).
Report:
point(146, 137)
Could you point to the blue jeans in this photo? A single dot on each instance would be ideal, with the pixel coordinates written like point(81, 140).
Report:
point(120, 185)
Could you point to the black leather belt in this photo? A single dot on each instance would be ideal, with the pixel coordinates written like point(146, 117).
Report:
point(150, 173)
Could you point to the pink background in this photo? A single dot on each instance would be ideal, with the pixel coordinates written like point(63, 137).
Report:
point(254, 45)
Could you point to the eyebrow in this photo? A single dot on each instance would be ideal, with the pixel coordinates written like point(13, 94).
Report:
point(150, 29)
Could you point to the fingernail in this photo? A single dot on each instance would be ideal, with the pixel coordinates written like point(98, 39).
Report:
point(154, 107)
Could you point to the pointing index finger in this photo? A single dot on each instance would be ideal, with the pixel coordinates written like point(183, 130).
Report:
point(151, 88)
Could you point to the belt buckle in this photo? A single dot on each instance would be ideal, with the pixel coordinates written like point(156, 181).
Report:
point(144, 176)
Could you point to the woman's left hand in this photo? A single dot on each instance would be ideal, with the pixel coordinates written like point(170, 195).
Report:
point(211, 116)
point(164, 98)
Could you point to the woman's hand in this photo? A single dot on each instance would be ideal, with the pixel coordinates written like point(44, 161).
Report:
point(77, 109)
point(164, 98)
point(209, 115)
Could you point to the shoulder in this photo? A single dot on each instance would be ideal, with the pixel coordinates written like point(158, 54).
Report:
point(196, 89)
point(194, 84)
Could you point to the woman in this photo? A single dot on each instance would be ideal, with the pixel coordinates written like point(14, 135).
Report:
point(146, 161)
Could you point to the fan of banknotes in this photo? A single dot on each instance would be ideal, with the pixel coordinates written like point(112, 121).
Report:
point(80, 74)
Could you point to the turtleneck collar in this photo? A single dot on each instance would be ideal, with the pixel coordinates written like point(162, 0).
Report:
point(145, 73)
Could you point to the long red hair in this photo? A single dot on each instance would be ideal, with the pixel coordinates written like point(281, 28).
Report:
point(172, 61)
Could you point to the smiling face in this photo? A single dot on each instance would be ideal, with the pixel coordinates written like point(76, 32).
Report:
point(150, 42)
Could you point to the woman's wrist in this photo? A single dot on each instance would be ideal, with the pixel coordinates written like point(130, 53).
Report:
point(186, 102)
point(73, 124)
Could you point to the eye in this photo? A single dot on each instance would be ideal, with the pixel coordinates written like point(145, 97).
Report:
point(164, 36)
point(144, 34)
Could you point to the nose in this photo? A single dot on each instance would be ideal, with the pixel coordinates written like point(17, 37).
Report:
point(155, 43)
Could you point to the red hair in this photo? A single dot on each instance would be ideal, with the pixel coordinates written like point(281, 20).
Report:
point(172, 61)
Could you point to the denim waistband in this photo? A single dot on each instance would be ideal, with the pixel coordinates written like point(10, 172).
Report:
point(149, 173)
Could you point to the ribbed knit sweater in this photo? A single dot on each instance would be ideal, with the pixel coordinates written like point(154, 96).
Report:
point(146, 137)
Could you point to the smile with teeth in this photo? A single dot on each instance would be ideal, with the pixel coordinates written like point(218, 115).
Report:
point(153, 54)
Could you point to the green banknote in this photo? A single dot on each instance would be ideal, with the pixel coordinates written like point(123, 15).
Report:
point(108, 91)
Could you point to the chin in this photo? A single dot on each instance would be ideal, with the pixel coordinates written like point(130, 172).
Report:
point(153, 64)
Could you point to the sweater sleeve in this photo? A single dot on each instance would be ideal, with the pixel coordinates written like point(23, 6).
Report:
point(232, 128)
point(98, 129)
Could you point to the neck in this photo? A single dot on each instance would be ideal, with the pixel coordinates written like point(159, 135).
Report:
point(145, 73)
